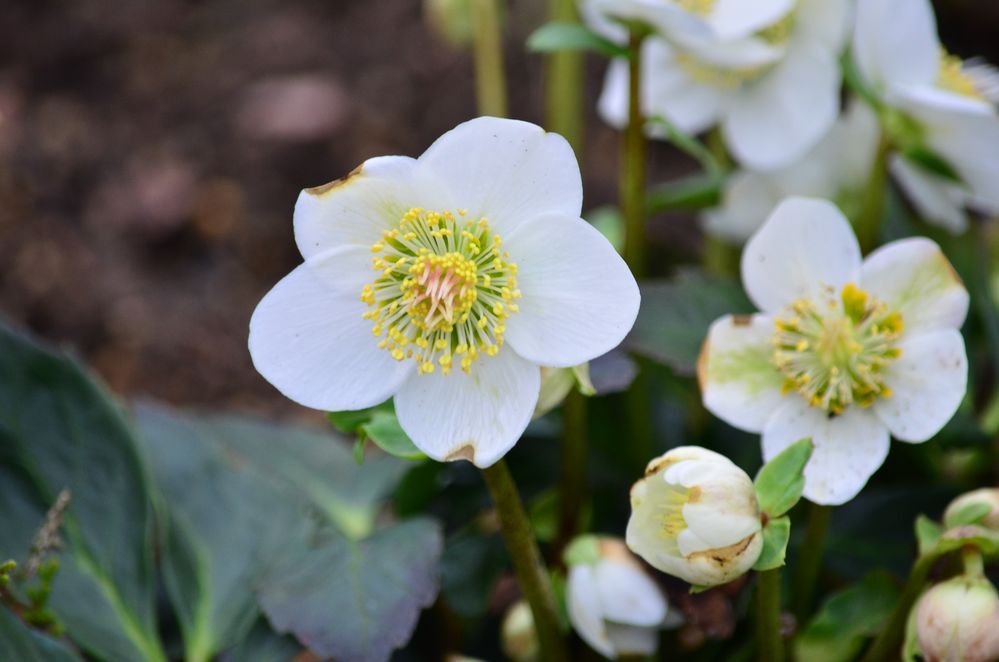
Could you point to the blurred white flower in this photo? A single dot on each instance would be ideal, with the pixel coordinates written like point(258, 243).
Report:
point(933, 101)
point(958, 621)
point(837, 169)
point(844, 351)
point(695, 516)
point(483, 271)
point(766, 72)
point(518, 636)
point(613, 605)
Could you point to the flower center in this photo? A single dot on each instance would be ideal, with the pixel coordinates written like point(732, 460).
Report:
point(671, 520)
point(954, 78)
point(834, 351)
point(444, 290)
point(776, 34)
point(699, 7)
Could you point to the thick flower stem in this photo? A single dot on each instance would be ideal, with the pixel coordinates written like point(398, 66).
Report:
point(572, 487)
point(526, 560)
point(769, 643)
point(889, 640)
point(809, 561)
point(490, 74)
point(633, 165)
point(564, 83)
point(873, 201)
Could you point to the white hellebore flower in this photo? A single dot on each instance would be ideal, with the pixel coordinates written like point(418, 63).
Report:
point(446, 281)
point(844, 351)
point(837, 169)
point(695, 516)
point(613, 603)
point(958, 621)
point(936, 102)
point(766, 72)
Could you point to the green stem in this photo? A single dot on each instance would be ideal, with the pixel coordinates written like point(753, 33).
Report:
point(986, 235)
point(490, 74)
point(721, 257)
point(809, 561)
point(526, 560)
point(889, 640)
point(572, 487)
point(769, 643)
point(971, 558)
point(633, 165)
point(564, 83)
point(873, 202)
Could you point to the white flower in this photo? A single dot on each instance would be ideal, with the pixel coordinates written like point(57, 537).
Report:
point(613, 604)
point(695, 516)
point(768, 73)
point(844, 351)
point(483, 271)
point(837, 168)
point(518, 636)
point(937, 103)
point(958, 621)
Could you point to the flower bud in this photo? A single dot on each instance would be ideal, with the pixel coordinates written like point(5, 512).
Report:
point(518, 636)
point(555, 385)
point(695, 516)
point(987, 496)
point(958, 620)
point(613, 604)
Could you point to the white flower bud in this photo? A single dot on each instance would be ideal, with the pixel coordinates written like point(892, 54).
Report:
point(518, 636)
point(958, 621)
point(613, 604)
point(988, 496)
point(695, 516)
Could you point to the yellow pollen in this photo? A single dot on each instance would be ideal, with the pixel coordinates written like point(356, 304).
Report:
point(953, 78)
point(443, 286)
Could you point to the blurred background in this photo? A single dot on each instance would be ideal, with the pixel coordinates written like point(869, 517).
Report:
point(151, 153)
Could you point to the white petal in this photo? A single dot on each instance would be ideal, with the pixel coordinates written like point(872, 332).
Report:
point(507, 170)
point(935, 199)
point(579, 297)
point(825, 22)
point(477, 416)
point(312, 345)
point(356, 210)
point(805, 245)
point(928, 383)
point(914, 277)
point(749, 198)
point(850, 147)
point(737, 18)
point(669, 90)
point(345, 269)
point(596, 15)
point(775, 120)
point(612, 106)
point(895, 42)
point(849, 448)
point(628, 595)
point(739, 384)
point(665, 18)
point(632, 641)
point(583, 605)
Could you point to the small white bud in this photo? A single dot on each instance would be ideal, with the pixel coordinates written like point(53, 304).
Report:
point(518, 636)
point(555, 385)
point(613, 604)
point(988, 496)
point(695, 516)
point(958, 621)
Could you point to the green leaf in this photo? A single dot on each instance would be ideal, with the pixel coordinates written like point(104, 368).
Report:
point(473, 562)
point(688, 144)
point(780, 481)
point(263, 645)
point(775, 536)
point(931, 162)
point(970, 513)
point(349, 422)
point(385, 431)
point(847, 619)
point(928, 534)
point(356, 600)
point(64, 431)
point(676, 314)
point(556, 36)
point(687, 194)
point(19, 643)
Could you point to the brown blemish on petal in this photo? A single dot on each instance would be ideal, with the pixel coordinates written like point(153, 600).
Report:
point(693, 494)
point(702, 366)
point(336, 183)
point(742, 320)
point(723, 555)
point(466, 452)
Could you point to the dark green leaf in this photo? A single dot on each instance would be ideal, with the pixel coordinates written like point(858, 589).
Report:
point(931, 162)
point(349, 422)
point(775, 536)
point(385, 431)
point(557, 36)
point(676, 314)
point(19, 643)
point(64, 431)
point(687, 194)
point(838, 631)
point(780, 481)
point(263, 645)
point(356, 600)
point(473, 562)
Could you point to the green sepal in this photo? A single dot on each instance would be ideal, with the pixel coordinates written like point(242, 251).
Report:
point(379, 425)
point(775, 536)
point(928, 534)
point(781, 480)
point(559, 36)
point(583, 550)
point(970, 513)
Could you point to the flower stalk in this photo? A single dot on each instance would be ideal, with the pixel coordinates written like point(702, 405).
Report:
point(769, 643)
point(564, 83)
point(572, 487)
point(633, 166)
point(526, 560)
point(809, 561)
point(889, 640)
point(490, 72)
point(873, 201)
